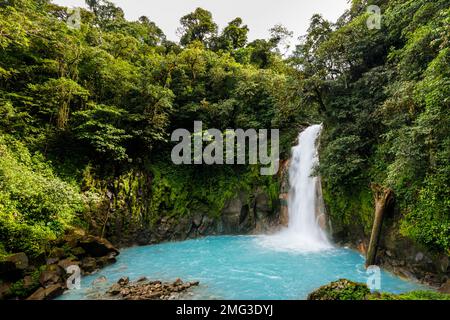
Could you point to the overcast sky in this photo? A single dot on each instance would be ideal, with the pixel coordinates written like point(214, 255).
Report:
point(259, 15)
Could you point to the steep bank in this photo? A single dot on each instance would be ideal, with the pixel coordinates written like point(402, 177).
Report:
point(168, 203)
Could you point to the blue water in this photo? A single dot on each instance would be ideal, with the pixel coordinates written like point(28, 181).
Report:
point(237, 267)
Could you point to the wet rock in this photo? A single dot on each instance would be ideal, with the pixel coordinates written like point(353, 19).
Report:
point(115, 289)
point(99, 280)
point(123, 281)
point(48, 293)
point(97, 247)
point(149, 290)
point(89, 265)
point(107, 260)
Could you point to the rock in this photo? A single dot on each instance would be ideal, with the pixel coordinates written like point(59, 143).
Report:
point(57, 253)
point(142, 279)
point(197, 220)
point(4, 289)
point(106, 260)
point(7, 267)
point(50, 261)
point(19, 259)
point(115, 289)
point(78, 251)
point(145, 290)
point(342, 289)
point(48, 277)
point(123, 281)
point(443, 264)
point(445, 288)
point(99, 280)
point(67, 263)
point(48, 293)
point(28, 282)
point(89, 265)
point(97, 247)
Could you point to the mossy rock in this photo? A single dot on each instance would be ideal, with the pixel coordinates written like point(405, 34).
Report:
point(342, 289)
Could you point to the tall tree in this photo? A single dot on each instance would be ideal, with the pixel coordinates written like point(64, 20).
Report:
point(197, 25)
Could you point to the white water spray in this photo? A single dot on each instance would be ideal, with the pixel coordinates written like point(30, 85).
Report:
point(303, 232)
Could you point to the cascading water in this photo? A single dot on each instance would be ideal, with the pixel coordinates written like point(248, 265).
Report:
point(303, 232)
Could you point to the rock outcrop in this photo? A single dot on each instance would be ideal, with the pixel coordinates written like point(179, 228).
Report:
point(47, 281)
point(342, 289)
point(144, 289)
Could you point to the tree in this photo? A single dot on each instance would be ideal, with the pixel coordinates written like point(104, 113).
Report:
point(233, 37)
point(279, 37)
point(197, 26)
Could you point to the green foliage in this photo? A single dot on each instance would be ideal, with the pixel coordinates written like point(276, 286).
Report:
point(22, 291)
point(35, 205)
point(180, 191)
point(383, 96)
point(341, 290)
point(413, 295)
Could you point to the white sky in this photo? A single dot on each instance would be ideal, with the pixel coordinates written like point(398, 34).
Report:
point(259, 15)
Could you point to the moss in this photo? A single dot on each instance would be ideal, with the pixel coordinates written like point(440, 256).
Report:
point(341, 290)
point(414, 295)
point(350, 212)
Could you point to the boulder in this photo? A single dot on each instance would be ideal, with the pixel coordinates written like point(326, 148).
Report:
point(7, 267)
point(48, 293)
point(67, 263)
point(49, 277)
point(57, 253)
point(88, 265)
point(78, 251)
point(19, 259)
point(4, 289)
point(123, 281)
point(445, 288)
point(97, 247)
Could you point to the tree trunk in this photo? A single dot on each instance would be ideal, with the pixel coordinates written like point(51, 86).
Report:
point(383, 198)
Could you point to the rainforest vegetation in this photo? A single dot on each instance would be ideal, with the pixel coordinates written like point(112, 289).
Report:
point(86, 109)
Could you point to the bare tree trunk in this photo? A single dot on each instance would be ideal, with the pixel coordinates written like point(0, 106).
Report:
point(383, 198)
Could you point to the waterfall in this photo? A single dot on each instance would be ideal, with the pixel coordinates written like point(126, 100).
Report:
point(303, 232)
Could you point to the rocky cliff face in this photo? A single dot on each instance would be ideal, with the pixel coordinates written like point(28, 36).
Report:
point(126, 216)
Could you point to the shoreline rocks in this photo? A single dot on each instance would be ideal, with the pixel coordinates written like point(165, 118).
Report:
point(47, 279)
point(144, 289)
